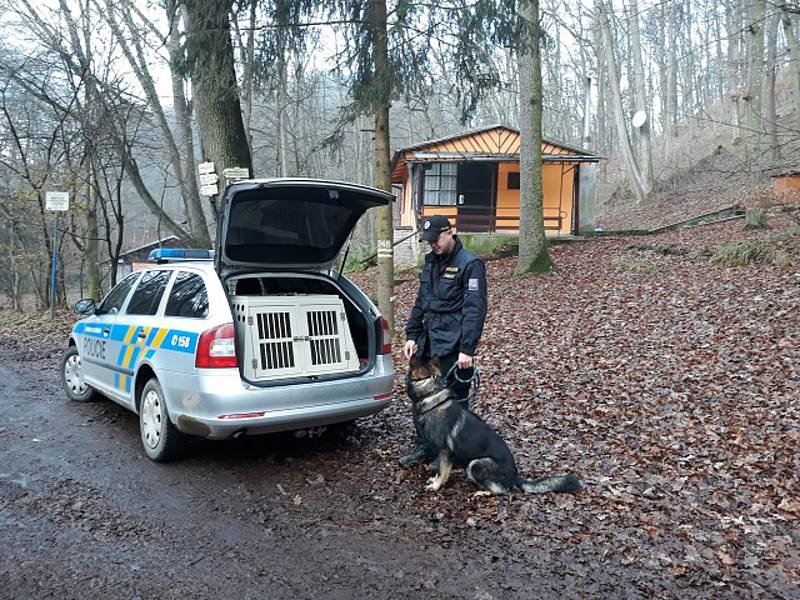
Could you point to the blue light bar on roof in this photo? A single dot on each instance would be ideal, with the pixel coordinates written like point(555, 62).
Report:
point(162, 255)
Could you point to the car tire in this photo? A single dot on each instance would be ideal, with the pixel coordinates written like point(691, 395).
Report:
point(72, 377)
point(162, 442)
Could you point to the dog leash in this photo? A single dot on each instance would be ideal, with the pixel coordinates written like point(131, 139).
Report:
point(474, 379)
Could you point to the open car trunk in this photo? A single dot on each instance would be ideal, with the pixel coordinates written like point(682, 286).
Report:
point(276, 244)
point(301, 327)
point(292, 224)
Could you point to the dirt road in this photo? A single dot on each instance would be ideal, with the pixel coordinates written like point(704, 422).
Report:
point(84, 513)
point(667, 381)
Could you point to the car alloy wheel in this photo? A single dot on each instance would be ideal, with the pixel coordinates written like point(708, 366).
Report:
point(72, 377)
point(151, 419)
point(162, 442)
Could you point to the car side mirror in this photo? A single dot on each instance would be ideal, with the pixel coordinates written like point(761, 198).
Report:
point(85, 307)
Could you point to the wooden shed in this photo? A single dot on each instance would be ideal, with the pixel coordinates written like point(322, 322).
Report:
point(136, 259)
point(473, 179)
point(786, 186)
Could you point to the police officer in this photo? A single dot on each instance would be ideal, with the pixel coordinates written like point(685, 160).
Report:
point(449, 312)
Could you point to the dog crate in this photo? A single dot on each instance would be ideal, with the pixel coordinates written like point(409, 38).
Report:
point(293, 336)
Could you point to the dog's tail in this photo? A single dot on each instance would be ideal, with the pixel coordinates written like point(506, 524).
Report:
point(545, 485)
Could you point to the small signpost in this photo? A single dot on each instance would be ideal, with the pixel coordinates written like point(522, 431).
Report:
point(205, 167)
point(56, 202)
point(235, 173)
point(209, 190)
point(208, 180)
point(208, 183)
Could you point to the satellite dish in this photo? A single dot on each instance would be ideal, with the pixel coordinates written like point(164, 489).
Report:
point(639, 118)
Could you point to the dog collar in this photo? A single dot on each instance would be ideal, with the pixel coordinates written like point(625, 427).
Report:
point(448, 396)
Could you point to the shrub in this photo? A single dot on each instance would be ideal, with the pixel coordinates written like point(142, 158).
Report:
point(744, 252)
point(637, 266)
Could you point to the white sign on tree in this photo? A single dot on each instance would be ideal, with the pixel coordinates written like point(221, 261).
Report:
point(56, 201)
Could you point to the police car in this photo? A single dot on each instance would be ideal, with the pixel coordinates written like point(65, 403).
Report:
point(260, 335)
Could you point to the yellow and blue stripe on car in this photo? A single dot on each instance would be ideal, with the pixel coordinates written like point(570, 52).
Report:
point(134, 349)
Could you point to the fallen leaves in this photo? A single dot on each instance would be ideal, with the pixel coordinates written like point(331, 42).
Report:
point(671, 390)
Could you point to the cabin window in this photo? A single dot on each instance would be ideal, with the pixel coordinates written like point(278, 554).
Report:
point(440, 184)
point(513, 181)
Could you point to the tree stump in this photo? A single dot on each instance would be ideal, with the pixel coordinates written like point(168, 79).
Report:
point(755, 218)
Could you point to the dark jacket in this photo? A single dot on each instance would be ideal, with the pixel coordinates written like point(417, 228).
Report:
point(451, 303)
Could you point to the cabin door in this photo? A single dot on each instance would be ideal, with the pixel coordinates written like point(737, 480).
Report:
point(475, 196)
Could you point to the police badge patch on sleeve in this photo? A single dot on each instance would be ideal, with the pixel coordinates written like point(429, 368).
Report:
point(472, 285)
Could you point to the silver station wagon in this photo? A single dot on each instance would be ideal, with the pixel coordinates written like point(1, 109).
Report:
point(265, 336)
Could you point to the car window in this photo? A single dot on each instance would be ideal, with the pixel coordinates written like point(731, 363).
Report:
point(116, 297)
point(188, 298)
point(148, 293)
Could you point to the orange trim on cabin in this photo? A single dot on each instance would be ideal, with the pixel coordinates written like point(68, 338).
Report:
point(503, 143)
point(787, 188)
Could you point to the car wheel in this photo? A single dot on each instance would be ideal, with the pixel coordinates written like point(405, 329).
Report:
point(72, 377)
point(161, 441)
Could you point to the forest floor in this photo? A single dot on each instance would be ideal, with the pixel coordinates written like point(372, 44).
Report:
point(667, 379)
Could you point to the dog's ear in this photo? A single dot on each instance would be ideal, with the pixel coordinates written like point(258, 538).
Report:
point(434, 366)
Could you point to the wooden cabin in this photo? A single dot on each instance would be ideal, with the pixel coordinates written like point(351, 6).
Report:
point(473, 179)
point(786, 186)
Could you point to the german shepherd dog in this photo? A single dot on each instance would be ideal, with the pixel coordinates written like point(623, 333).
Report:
point(462, 439)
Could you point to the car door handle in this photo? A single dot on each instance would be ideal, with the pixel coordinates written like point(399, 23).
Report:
point(107, 330)
point(141, 335)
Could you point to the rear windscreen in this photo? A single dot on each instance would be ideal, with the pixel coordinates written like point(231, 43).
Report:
point(299, 223)
point(286, 228)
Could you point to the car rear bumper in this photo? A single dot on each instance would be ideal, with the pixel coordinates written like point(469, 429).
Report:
point(217, 404)
point(280, 420)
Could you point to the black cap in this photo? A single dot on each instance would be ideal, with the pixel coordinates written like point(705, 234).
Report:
point(433, 226)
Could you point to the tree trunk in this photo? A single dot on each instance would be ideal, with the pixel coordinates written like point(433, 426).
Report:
point(586, 135)
point(641, 103)
point(787, 19)
point(94, 284)
point(755, 68)
point(185, 142)
point(216, 93)
point(135, 55)
point(281, 106)
point(719, 89)
point(770, 113)
point(555, 79)
point(631, 166)
point(601, 138)
point(690, 93)
point(248, 75)
point(533, 256)
point(383, 169)
point(672, 91)
point(16, 277)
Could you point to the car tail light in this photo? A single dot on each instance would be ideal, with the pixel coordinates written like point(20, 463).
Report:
point(216, 348)
point(386, 343)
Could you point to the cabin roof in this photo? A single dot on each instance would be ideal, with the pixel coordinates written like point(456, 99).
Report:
point(496, 143)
